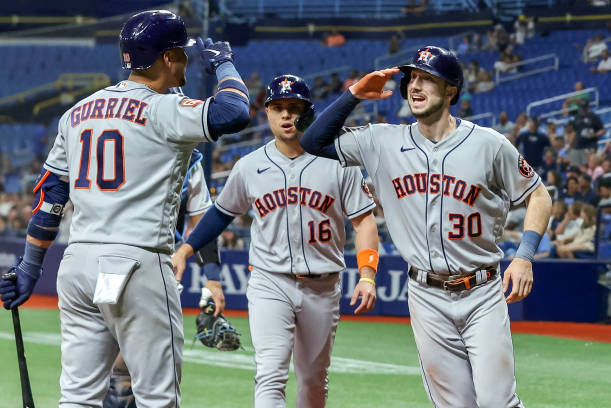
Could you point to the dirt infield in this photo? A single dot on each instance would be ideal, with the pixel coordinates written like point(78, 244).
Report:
point(579, 331)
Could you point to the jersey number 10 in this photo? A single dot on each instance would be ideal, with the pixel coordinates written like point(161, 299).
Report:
point(105, 184)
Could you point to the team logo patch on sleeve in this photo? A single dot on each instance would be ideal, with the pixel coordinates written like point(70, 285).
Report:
point(190, 103)
point(365, 188)
point(525, 169)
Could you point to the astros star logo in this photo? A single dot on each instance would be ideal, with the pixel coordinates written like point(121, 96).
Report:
point(286, 85)
point(425, 56)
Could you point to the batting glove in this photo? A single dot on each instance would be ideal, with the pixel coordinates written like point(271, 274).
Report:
point(305, 119)
point(16, 292)
point(214, 54)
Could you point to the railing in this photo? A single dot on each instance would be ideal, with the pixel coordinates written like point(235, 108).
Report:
point(481, 116)
point(562, 97)
point(534, 71)
point(64, 81)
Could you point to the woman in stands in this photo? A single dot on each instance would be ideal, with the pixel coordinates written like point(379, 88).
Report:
point(584, 239)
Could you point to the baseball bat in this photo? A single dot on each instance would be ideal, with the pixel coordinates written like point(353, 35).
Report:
point(26, 390)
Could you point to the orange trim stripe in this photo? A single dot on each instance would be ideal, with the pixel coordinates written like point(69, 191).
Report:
point(42, 200)
point(42, 180)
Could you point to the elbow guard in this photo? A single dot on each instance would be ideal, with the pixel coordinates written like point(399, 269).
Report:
point(52, 193)
point(229, 112)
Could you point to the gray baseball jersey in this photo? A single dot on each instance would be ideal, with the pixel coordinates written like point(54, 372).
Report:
point(299, 208)
point(445, 205)
point(126, 149)
point(198, 196)
point(455, 193)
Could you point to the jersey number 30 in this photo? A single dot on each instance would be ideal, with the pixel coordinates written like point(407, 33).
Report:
point(105, 184)
point(473, 225)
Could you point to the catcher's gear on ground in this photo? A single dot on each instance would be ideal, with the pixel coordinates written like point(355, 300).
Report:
point(216, 332)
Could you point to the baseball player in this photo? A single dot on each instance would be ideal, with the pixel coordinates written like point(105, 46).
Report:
point(121, 155)
point(446, 186)
point(195, 200)
point(296, 250)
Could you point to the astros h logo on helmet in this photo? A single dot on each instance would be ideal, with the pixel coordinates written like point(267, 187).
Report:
point(425, 56)
point(286, 85)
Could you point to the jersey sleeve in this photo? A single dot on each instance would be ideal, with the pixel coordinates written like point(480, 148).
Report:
point(183, 120)
point(57, 160)
point(356, 198)
point(234, 199)
point(198, 196)
point(513, 173)
point(357, 147)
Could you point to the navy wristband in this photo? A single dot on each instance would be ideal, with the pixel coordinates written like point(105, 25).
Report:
point(226, 69)
point(212, 271)
point(528, 246)
point(234, 84)
point(34, 255)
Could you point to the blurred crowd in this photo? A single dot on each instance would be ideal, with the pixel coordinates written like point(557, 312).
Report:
point(565, 151)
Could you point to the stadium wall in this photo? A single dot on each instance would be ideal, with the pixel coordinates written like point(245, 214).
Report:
point(562, 290)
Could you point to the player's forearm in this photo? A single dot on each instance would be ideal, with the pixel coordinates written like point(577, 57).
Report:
point(209, 228)
point(229, 112)
point(538, 210)
point(366, 237)
point(319, 137)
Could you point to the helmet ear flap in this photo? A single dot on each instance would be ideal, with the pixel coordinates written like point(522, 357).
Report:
point(404, 82)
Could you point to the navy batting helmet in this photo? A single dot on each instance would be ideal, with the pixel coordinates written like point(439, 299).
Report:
point(287, 86)
point(148, 34)
point(438, 62)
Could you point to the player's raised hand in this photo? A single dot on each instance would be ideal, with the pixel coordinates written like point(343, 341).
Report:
point(371, 85)
point(520, 272)
point(218, 296)
point(213, 53)
point(367, 292)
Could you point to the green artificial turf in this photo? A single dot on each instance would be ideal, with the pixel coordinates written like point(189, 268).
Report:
point(374, 365)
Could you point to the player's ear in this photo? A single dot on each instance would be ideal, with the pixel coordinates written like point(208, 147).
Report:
point(451, 91)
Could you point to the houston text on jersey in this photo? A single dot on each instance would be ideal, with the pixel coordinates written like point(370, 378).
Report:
point(280, 198)
point(417, 183)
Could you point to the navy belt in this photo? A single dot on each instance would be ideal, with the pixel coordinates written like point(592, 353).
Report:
point(456, 285)
point(316, 276)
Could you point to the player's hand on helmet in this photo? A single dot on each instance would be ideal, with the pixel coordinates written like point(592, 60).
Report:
point(213, 53)
point(520, 272)
point(371, 86)
point(179, 260)
point(15, 292)
point(217, 295)
point(366, 291)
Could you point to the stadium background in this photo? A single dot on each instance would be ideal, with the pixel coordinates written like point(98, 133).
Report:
point(533, 60)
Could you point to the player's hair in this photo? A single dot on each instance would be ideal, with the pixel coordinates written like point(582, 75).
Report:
point(590, 212)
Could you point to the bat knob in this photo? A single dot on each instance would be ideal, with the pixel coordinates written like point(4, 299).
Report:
point(12, 276)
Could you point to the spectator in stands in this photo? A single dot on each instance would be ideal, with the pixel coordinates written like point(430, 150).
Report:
point(604, 65)
point(571, 192)
point(553, 181)
point(604, 187)
point(472, 72)
point(505, 126)
point(230, 240)
point(320, 89)
point(588, 126)
point(476, 42)
point(557, 145)
point(595, 168)
point(464, 46)
point(394, 45)
point(594, 48)
point(255, 90)
point(502, 37)
point(484, 82)
point(523, 27)
point(335, 39)
point(351, 80)
point(185, 9)
point(571, 155)
point(583, 239)
point(506, 60)
point(552, 131)
point(335, 85)
point(570, 224)
point(532, 144)
point(559, 210)
point(414, 7)
point(5, 204)
point(569, 106)
point(3, 228)
point(549, 161)
point(465, 109)
point(492, 41)
point(588, 195)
